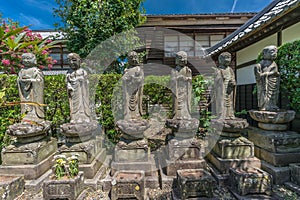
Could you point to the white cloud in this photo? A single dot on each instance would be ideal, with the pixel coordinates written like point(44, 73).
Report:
point(34, 22)
point(41, 5)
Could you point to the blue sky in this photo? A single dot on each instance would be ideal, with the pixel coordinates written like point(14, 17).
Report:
point(38, 13)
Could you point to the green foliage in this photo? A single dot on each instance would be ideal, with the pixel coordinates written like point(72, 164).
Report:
point(73, 165)
point(87, 23)
point(60, 166)
point(201, 87)
point(288, 61)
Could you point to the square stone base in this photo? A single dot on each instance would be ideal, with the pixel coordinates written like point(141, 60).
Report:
point(172, 166)
point(223, 165)
point(275, 141)
point(250, 181)
point(147, 166)
point(233, 148)
point(87, 151)
point(29, 171)
point(277, 159)
point(128, 185)
point(280, 174)
point(28, 154)
point(11, 186)
point(89, 170)
point(295, 173)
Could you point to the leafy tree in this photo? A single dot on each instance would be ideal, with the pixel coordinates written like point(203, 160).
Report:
point(88, 23)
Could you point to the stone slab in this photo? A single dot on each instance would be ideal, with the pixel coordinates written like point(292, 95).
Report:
point(29, 171)
point(275, 141)
point(280, 174)
point(131, 155)
point(28, 154)
point(222, 179)
point(87, 151)
point(293, 187)
point(35, 185)
point(11, 186)
point(172, 166)
point(91, 169)
point(295, 173)
point(234, 148)
point(277, 159)
point(223, 165)
point(250, 181)
point(148, 167)
point(253, 197)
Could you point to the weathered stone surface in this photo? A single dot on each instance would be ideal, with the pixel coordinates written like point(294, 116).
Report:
point(295, 173)
point(30, 153)
point(29, 132)
point(272, 127)
point(250, 181)
point(234, 148)
point(133, 129)
point(273, 117)
point(230, 125)
point(280, 174)
point(186, 149)
point(267, 79)
point(173, 165)
point(195, 183)
point(277, 159)
point(131, 151)
point(87, 151)
point(79, 132)
point(63, 189)
point(128, 185)
point(11, 186)
point(30, 171)
point(183, 128)
point(275, 141)
point(223, 165)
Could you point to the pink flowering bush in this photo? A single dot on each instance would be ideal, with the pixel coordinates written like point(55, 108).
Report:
point(14, 41)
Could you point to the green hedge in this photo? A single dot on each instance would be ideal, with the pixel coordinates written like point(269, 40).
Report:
point(156, 91)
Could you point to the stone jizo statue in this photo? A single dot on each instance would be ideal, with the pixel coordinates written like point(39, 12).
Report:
point(132, 81)
point(267, 80)
point(31, 89)
point(181, 79)
point(225, 87)
point(78, 91)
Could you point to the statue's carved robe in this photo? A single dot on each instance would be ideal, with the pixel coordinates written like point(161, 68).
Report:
point(31, 89)
point(79, 98)
point(268, 82)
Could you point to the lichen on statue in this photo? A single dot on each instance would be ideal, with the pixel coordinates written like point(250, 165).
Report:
point(181, 82)
point(31, 90)
point(225, 87)
point(78, 91)
point(267, 80)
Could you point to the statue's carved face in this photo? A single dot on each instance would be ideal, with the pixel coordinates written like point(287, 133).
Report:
point(28, 59)
point(181, 58)
point(133, 58)
point(74, 61)
point(270, 52)
point(225, 59)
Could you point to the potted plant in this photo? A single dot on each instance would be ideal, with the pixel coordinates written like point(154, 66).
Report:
point(66, 180)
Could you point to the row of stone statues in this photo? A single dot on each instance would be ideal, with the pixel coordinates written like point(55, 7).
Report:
point(31, 83)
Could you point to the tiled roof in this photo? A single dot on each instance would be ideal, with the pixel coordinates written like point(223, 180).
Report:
point(275, 9)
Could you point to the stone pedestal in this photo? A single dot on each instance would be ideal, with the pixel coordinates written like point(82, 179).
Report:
point(250, 181)
point(91, 155)
point(184, 154)
point(277, 149)
point(11, 186)
point(30, 159)
point(128, 185)
point(68, 188)
point(194, 183)
point(295, 173)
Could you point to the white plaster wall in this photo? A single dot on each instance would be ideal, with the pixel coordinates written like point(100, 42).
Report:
point(291, 34)
point(245, 75)
point(251, 52)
